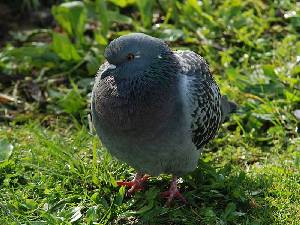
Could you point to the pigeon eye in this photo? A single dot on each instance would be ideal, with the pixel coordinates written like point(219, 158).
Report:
point(130, 56)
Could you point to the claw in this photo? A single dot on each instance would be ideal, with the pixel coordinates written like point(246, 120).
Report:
point(172, 193)
point(136, 184)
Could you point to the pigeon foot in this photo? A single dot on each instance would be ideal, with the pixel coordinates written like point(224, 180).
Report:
point(136, 184)
point(172, 193)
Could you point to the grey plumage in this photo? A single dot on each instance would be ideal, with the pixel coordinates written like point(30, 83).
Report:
point(204, 97)
point(154, 108)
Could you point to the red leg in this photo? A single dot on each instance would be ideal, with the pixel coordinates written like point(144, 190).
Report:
point(136, 184)
point(173, 192)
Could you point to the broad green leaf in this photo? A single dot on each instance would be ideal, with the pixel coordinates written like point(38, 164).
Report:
point(226, 57)
point(296, 21)
point(101, 10)
point(37, 54)
point(120, 196)
point(72, 102)
point(92, 214)
point(269, 70)
point(291, 97)
point(63, 47)
point(123, 3)
point(230, 209)
point(101, 40)
point(169, 6)
point(71, 16)
point(206, 17)
point(232, 73)
point(118, 17)
point(146, 11)
point(6, 149)
point(92, 65)
point(151, 194)
point(296, 70)
point(195, 5)
point(169, 33)
point(31, 204)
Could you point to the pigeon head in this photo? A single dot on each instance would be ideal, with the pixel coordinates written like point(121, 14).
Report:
point(133, 54)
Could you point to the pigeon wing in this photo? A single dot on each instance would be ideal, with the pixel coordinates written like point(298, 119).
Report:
point(202, 95)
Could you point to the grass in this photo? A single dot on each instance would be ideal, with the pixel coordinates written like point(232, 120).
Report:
point(53, 171)
point(59, 174)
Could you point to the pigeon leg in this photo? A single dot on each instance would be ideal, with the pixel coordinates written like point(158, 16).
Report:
point(136, 184)
point(173, 192)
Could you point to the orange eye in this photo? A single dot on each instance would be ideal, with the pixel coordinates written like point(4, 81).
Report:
point(130, 56)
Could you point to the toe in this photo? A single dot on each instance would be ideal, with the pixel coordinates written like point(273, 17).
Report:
point(125, 183)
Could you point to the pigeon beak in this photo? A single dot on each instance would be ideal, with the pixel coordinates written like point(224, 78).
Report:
point(107, 72)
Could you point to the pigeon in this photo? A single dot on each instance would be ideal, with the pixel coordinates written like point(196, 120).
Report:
point(155, 108)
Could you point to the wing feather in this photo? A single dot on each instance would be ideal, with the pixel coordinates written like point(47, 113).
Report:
point(203, 96)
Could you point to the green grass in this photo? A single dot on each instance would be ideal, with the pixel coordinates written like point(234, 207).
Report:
point(59, 173)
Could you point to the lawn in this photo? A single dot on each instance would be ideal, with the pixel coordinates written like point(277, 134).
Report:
point(54, 170)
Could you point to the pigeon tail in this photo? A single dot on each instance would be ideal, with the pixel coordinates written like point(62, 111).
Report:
point(227, 108)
